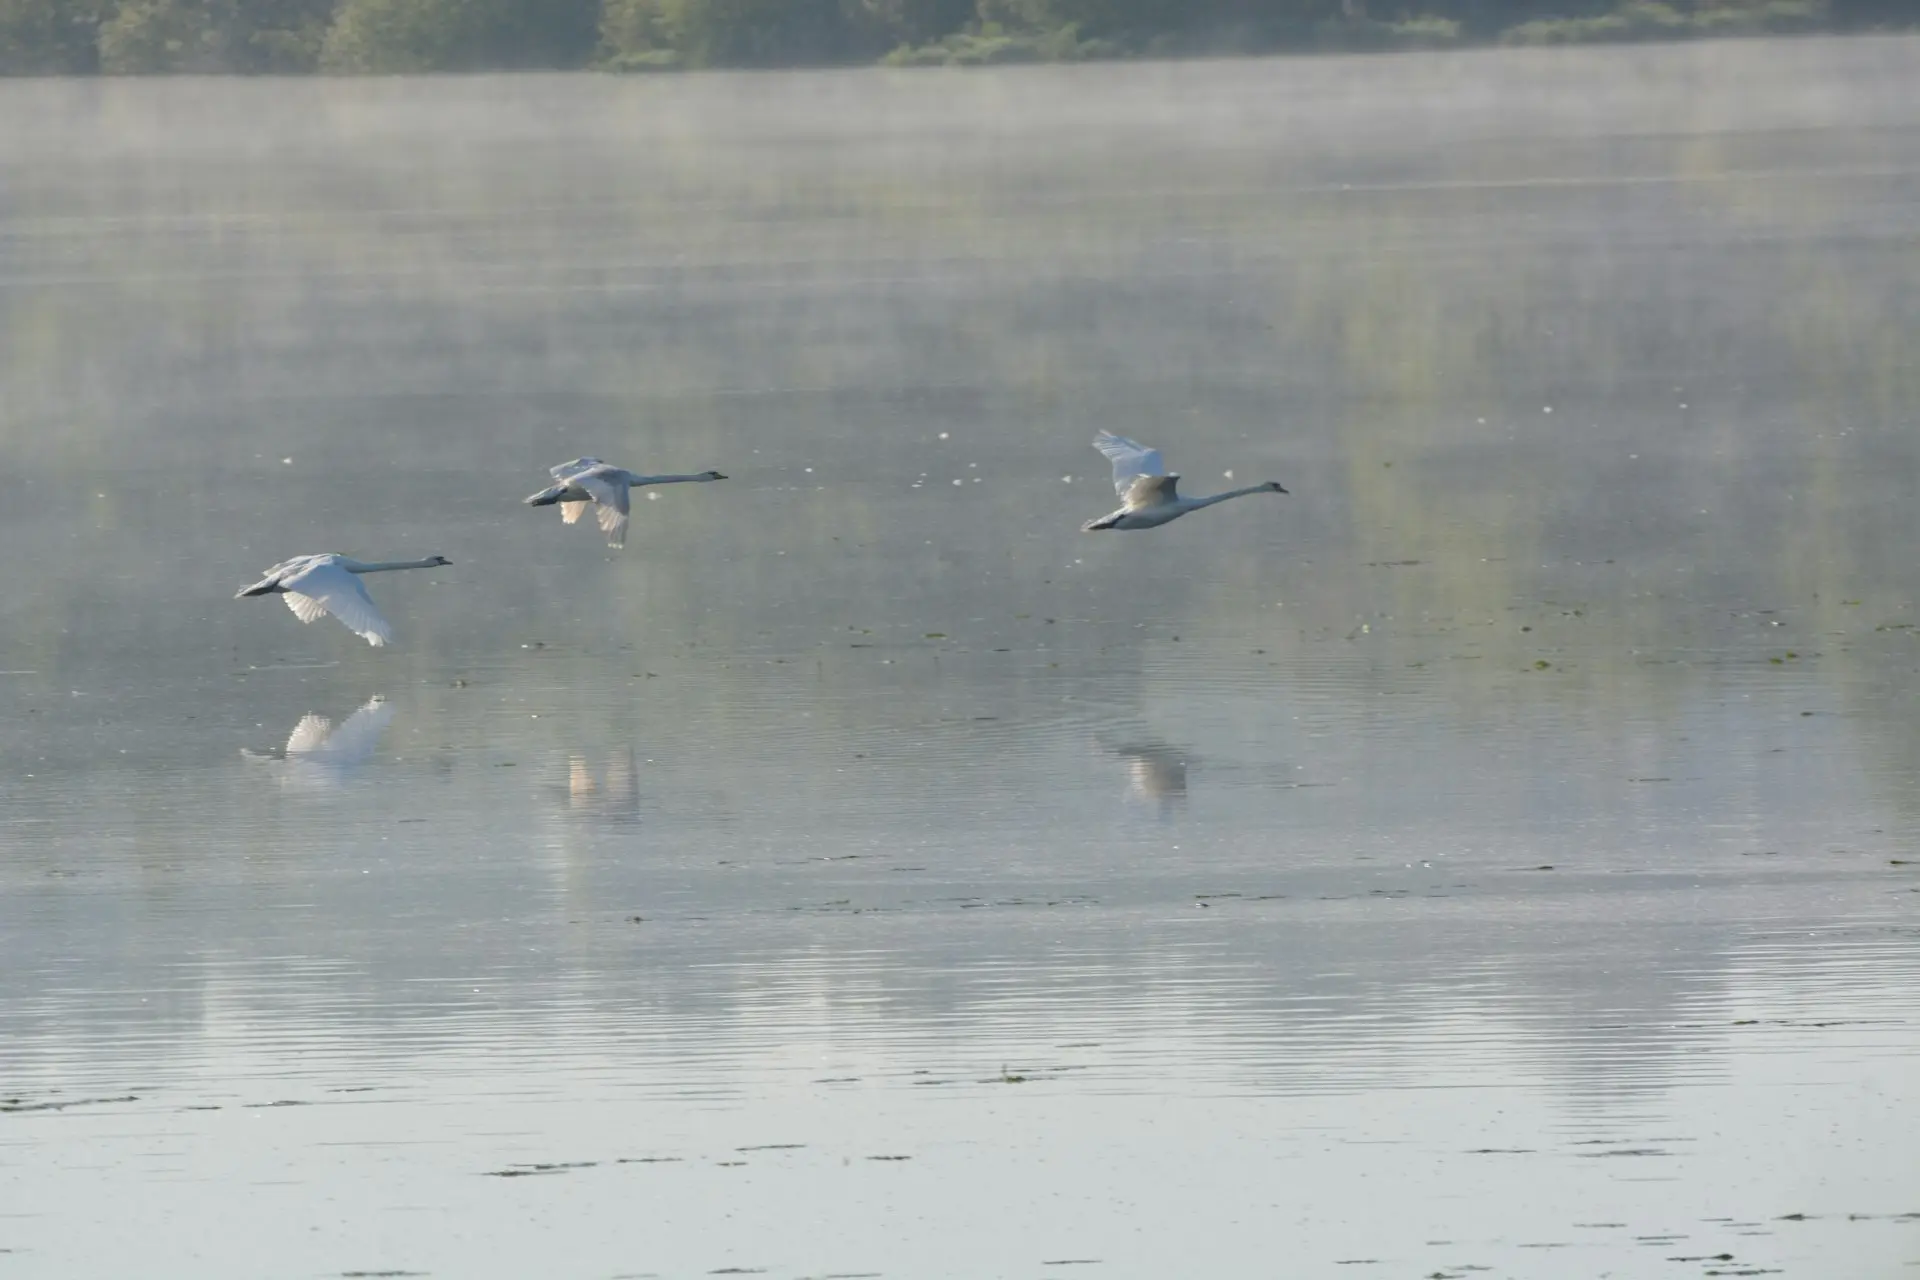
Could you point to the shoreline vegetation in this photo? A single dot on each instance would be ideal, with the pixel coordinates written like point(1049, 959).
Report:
point(360, 37)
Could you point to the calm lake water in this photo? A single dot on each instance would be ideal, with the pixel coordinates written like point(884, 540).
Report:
point(1496, 858)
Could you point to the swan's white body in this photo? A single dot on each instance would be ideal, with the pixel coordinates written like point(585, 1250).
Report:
point(589, 482)
point(319, 755)
point(329, 583)
point(1149, 495)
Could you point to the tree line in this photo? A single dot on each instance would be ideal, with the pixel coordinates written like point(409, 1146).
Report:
point(140, 37)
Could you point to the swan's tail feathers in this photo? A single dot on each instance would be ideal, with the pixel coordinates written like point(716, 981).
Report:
point(260, 588)
point(1104, 522)
point(546, 497)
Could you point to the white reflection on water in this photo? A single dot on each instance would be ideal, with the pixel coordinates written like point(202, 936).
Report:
point(318, 755)
point(1156, 777)
point(609, 793)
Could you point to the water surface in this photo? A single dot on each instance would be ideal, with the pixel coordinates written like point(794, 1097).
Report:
point(1494, 858)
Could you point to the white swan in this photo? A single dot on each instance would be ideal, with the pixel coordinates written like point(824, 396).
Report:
point(587, 481)
point(1148, 496)
point(328, 583)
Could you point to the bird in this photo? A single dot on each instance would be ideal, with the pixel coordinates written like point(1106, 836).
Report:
point(329, 583)
point(1148, 496)
point(589, 481)
point(319, 755)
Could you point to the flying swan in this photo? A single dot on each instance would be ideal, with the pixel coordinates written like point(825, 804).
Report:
point(1147, 493)
point(329, 583)
point(588, 482)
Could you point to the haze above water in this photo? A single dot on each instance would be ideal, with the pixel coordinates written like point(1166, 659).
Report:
point(1495, 858)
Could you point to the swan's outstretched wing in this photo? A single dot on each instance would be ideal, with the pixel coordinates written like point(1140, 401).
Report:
point(609, 493)
point(1131, 460)
point(1150, 491)
point(328, 588)
point(286, 567)
point(271, 577)
point(567, 470)
point(309, 735)
point(570, 511)
point(305, 608)
point(613, 523)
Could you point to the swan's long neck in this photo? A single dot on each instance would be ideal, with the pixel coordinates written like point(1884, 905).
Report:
point(636, 481)
point(357, 566)
point(1210, 499)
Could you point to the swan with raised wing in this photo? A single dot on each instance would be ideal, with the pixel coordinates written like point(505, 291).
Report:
point(330, 583)
point(1148, 492)
point(589, 482)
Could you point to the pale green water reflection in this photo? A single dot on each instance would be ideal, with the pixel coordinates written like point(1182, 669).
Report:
point(1498, 853)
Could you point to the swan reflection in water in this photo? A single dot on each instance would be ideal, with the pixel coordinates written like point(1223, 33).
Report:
point(609, 795)
point(319, 755)
point(1156, 776)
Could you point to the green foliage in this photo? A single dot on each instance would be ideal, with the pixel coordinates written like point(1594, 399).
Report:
point(647, 60)
point(1108, 19)
point(1638, 20)
point(139, 37)
point(1776, 17)
point(1647, 20)
point(634, 35)
point(992, 46)
point(389, 37)
point(250, 36)
point(729, 33)
point(1366, 35)
point(1424, 33)
point(1174, 27)
point(1875, 15)
point(50, 37)
point(889, 24)
point(149, 36)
